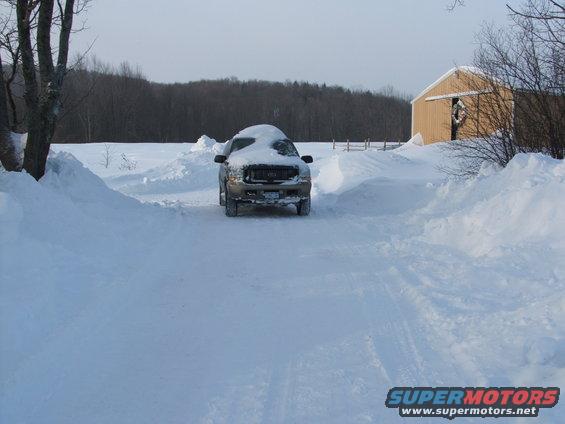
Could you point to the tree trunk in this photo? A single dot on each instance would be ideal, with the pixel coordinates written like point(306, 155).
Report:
point(37, 146)
point(8, 155)
point(43, 98)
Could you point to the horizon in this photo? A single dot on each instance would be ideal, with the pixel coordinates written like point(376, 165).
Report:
point(393, 92)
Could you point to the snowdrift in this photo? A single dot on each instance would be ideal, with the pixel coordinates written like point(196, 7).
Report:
point(190, 171)
point(63, 206)
point(374, 183)
point(60, 239)
point(501, 210)
point(205, 143)
point(417, 140)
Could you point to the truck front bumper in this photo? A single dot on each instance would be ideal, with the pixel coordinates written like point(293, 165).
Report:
point(269, 194)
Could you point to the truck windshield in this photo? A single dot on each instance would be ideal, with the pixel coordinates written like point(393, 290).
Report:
point(285, 148)
point(241, 143)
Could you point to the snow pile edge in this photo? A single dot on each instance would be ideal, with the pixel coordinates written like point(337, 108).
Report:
point(496, 211)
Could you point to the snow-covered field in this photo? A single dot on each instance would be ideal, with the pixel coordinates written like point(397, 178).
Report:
point(114, 310)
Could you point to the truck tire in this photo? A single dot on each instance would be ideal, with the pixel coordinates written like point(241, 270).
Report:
point(222, 199)
point(231, 206)
point(303, 207)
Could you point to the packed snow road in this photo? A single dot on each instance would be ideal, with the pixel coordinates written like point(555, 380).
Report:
point(170, 312)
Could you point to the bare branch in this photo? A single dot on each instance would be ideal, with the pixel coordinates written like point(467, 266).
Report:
point(454, 4)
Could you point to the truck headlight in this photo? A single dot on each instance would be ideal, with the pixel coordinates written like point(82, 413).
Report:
point(235, 175)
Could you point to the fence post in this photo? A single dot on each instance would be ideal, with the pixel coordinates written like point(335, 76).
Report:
point(384, 148)
point(365, 143)
point(369, 142)
point(348, 145)
point(333, 144)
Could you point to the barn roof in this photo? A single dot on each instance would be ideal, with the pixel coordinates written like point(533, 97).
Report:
point(468, 69)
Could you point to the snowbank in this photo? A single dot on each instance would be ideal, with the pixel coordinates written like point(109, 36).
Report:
point(416, 141)
point(56, 207)
point(59, 239)
point(205, 143)
point(340, 172)
point(189, 171)
point(496, 211)
point(10, 217)
point(95, 156)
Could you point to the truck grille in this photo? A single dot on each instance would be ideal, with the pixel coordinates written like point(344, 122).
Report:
point(269, 173)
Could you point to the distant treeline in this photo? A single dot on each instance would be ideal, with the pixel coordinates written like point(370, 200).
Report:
point(103, 103)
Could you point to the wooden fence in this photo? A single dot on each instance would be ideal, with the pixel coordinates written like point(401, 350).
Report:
point(367, 144)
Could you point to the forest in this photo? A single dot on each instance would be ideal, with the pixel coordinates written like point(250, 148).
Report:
point(102, 103)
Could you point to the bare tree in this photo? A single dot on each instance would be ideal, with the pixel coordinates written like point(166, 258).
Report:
point(8, 155)
point(107, 155)
point(453, 4)
point(548, 17)
point(522, 89)
point(127, 164)
point(43, 68)
point(11, 51)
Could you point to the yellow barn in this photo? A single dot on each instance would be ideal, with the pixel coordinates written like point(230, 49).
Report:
point(459, 105)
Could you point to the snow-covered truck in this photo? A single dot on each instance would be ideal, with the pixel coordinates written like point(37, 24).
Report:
point(261, 166)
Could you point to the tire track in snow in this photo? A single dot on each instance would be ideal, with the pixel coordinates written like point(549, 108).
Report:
point(394, 318)
point(274, 384)
point(387, 342)
point(280, 393)
point(390, 342)
point(398, 341)
point(464, 366)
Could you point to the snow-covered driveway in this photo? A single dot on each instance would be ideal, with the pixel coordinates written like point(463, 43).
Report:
point(173, 313)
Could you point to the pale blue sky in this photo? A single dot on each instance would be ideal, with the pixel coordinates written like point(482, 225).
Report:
point(355, 43)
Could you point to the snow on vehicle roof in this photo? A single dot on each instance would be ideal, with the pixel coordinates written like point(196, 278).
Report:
point(262, 133)
point(262, 151)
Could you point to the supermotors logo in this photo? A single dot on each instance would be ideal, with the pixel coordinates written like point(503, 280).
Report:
point(453, 402)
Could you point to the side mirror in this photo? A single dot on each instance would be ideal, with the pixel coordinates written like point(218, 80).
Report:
point(220, 158)
point(307, 159)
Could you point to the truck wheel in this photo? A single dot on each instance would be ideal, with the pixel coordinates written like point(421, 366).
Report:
point(303, 208)
point(231, 206)
point(222, 198)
